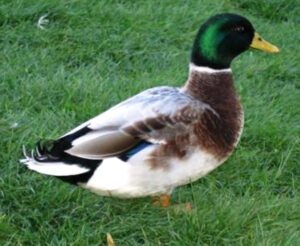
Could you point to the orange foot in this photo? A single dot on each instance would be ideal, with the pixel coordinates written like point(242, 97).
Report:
point(162, 200)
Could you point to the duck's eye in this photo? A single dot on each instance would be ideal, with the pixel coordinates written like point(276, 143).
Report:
point(238, 29)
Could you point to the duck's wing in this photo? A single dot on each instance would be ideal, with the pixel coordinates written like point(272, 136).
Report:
point(153, 115)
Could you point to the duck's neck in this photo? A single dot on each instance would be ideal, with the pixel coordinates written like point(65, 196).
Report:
point(212, 86)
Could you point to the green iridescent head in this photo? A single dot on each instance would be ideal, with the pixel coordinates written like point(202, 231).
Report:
point(222, 38)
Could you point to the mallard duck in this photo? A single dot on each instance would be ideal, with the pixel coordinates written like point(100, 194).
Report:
point(163, 137)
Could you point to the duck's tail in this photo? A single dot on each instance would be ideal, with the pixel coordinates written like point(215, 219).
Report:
point(51, 159)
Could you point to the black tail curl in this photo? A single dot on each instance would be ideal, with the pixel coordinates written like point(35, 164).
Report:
point(54, 151)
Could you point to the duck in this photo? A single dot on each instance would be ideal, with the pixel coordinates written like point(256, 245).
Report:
point(163, 137)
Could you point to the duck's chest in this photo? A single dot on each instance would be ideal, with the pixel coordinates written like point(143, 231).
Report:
point(218, 134)
point(214, 137)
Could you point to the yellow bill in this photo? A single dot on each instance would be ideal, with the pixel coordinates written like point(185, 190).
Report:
point(261, 44)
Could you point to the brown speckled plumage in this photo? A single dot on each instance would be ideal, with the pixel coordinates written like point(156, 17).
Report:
point(217, 131)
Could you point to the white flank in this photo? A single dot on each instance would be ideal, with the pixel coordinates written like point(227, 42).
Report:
point(195, 68)
point(136, 178)
point(53, 168)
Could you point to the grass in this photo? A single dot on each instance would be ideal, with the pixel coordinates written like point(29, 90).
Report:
point(93, 54)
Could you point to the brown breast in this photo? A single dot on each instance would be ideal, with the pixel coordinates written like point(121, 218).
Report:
point(218, 134)
point(215, 133)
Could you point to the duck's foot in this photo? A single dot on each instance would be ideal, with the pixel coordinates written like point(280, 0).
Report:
point(162, 200)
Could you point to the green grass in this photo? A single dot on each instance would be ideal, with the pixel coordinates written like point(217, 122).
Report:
point(94, 54)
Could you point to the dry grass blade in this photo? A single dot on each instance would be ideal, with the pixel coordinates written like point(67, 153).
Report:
point(110, 241)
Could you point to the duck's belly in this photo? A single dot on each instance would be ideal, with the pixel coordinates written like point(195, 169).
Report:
point(137, 178)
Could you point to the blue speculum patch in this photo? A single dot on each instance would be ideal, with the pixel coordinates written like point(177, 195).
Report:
point(134, 150)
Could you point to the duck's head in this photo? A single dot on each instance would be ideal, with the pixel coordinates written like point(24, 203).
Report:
point(223, 37)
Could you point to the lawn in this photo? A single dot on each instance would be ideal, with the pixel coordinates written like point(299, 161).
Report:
point(93, 54)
